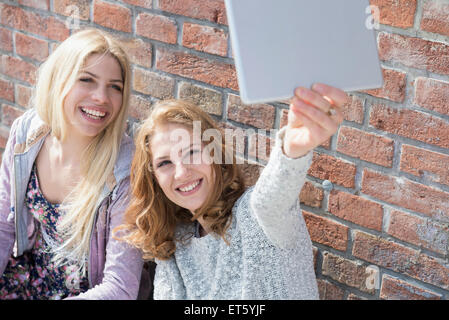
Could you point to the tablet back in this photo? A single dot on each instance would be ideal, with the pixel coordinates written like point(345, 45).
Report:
point(279, 45)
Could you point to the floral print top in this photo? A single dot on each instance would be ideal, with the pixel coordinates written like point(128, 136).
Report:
point(33, 275)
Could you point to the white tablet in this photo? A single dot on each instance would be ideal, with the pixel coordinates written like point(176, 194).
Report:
point(279, 45)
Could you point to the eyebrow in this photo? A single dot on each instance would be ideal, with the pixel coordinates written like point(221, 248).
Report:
point(161, 158)
point(183, 150)
point(96, 77)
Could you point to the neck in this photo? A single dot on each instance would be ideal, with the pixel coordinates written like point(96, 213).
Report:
point(69, 151)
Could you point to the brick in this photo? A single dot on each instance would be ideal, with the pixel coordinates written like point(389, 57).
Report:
point(431, 165)
point(407, 194)
point(4, 135)
point(284, 121)
point(207, 99)
point(256, 115)
point(393, 86)
point(350, 273)
point(352, 296)
point(400, 259)
point(235, 136)
point(396, 13)
point(39, 4)
point(284, 118)
point(356, 209)
point(140, 52)
point(435, 17)
point(414, 52)
point(140, 3)
point(432, 94)
point(9, 114)
point(310, 195)
point(327, 232)
point(139, 107)
point(337, 171)
point(156, 27)
point(411, 124)
point(6, 39)
point(418, 231)
point(396, 289)
point(24, 20)
point(153, 84)
point(112, 16)
point(6, 90)
point(18, 69)
point(353, 109)
point(24, 95)
point(193, 67)
point(212, 10)
point(316, 253)
point(31, 47)
point(205, 38)
point(260, 146)
point(79, 9)
point(366, 146)
point(329, 291)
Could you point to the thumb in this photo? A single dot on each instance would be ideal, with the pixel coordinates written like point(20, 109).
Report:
point(294, 115)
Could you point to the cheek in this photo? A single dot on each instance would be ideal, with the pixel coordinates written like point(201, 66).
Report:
point(117, 102)
point(164, 182)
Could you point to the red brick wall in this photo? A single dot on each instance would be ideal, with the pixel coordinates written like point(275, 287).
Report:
point(387, 216)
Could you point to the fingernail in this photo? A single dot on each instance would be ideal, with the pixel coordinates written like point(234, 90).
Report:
point(299, 91)
point(295, 101)
point(317, 87)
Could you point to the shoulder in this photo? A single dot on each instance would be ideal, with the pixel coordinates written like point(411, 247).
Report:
point(241, 210)
point(26, 130)
point(26, 124)
point(243, 200)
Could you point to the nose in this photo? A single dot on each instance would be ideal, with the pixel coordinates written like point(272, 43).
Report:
point(181, 171)
point(100, 94)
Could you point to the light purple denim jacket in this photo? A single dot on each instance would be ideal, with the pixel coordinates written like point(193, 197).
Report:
point(114, 268)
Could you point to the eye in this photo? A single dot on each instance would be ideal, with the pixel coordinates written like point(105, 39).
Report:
point(163, 163)
point(86, 79)
point(117, 87)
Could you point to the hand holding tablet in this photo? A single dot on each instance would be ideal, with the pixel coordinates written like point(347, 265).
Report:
point(279, 45)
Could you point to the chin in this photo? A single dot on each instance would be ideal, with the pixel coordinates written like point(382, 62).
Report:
point(93, 133)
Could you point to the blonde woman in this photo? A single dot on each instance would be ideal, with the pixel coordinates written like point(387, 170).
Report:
point(64, 179)
point(212, 239)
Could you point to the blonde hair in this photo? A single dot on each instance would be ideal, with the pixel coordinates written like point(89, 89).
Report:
point(56, 77)
point(151, 218)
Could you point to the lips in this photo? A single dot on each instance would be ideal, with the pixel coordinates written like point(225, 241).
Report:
point(93, 113)
point(189, 188)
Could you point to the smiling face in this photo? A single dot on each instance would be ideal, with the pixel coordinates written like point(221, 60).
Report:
point(184, 181)
point(96, 97)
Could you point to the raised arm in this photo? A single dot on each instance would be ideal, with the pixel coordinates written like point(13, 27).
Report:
point(314, 116)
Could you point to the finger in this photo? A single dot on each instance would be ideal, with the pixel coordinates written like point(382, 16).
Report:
point(322, 119)
point(316, 131)
point(313, 98)
point(336, 96)
point(293, 119)
point(337, 115)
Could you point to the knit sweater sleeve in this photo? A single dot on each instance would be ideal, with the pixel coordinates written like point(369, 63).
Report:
point(275, 199)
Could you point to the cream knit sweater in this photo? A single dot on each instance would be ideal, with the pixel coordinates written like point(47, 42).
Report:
point(270, 252)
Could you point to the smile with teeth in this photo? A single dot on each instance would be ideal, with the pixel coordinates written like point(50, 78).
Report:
point(94, 114)
point(190, 187)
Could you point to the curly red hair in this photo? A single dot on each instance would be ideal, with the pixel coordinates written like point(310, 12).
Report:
point(151, 218)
